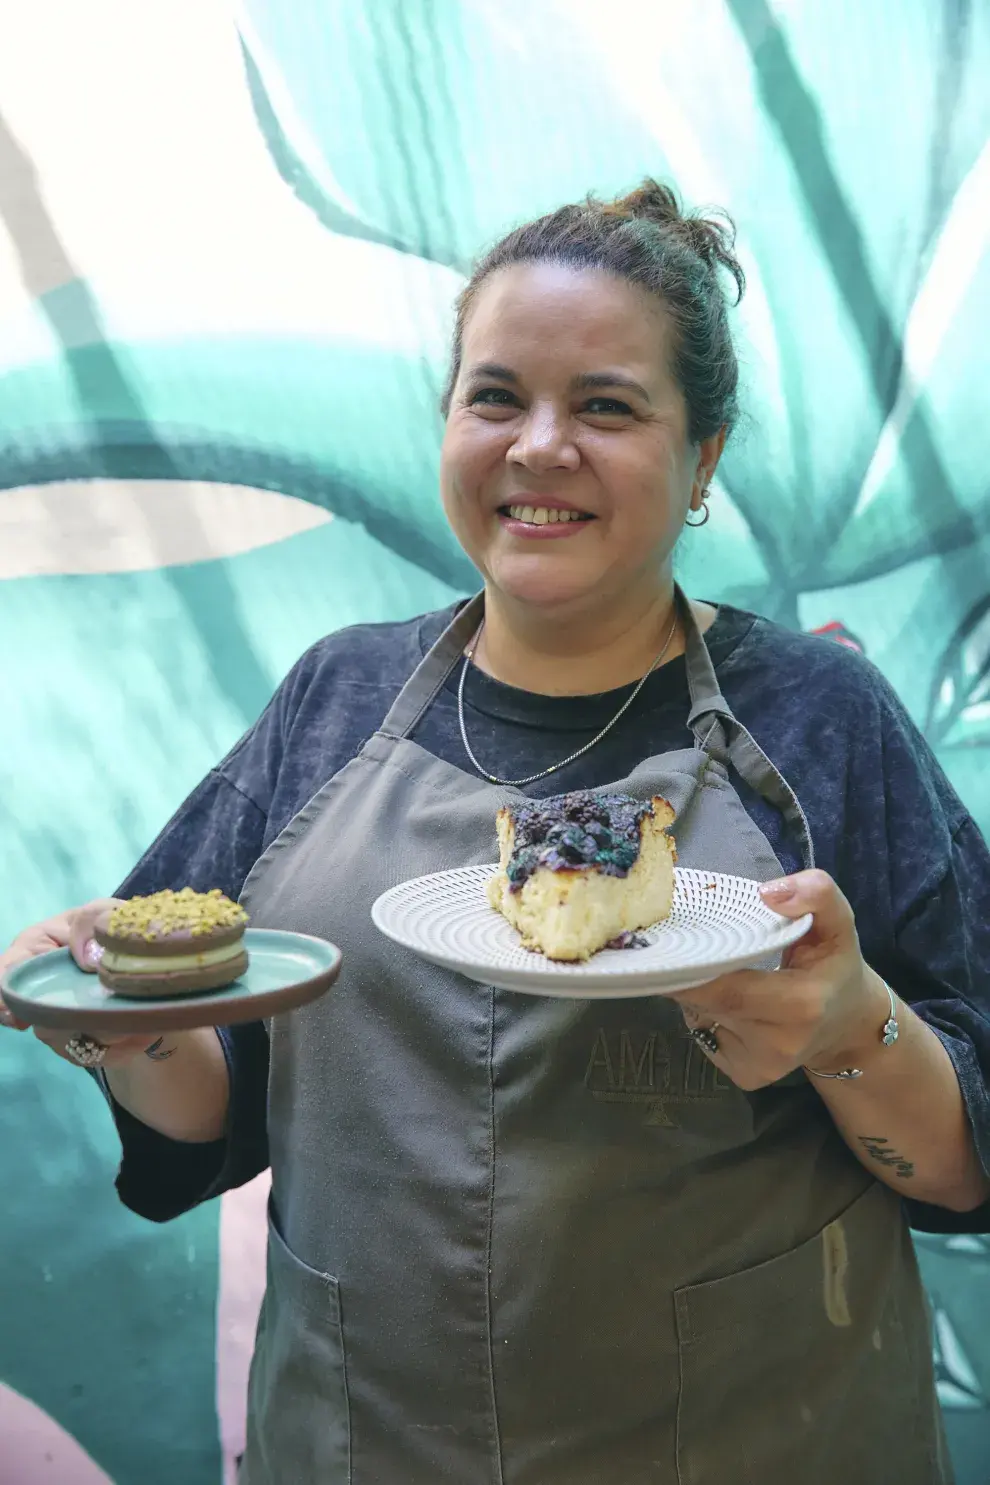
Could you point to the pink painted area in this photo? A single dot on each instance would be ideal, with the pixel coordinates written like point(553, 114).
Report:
point(36, 1449)
point(243, 1239)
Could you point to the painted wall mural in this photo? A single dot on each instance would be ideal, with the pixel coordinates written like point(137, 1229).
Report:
point(230, 236)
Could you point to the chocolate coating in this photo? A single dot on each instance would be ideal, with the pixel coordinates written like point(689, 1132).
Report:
point(166, 926)
point(165, 944)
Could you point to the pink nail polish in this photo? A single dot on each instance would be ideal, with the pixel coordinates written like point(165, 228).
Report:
point(93, 953)
point(780, 891)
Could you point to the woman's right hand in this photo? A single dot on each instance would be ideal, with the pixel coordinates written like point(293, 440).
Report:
point(72, 930)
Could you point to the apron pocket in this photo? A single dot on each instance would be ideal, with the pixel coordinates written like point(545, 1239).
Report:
point(298, 1414)
point(814, 1366)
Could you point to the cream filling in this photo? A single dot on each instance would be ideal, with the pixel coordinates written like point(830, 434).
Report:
point(140, 964)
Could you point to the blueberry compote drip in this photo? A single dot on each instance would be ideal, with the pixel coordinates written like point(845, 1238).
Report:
point(571, 831)
point(629, 940)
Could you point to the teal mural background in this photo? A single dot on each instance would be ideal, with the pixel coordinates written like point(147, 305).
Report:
point(229, 243)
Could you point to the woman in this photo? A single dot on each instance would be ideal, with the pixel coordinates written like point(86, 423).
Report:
point(552, 1242)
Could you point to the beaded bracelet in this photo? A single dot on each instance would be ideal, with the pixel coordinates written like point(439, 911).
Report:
point(888, 1036)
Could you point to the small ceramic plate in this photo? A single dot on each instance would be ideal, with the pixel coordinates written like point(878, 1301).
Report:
point(718, 924)
point(286, 970)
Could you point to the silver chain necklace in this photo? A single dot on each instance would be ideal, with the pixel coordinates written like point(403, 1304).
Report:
point(545, 772)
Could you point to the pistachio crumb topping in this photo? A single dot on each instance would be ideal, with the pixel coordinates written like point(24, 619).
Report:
point(163, 913)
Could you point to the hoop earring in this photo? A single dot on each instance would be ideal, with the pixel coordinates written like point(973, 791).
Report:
point(705, 513)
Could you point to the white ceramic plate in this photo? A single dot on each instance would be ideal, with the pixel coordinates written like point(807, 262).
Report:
point(718, 924)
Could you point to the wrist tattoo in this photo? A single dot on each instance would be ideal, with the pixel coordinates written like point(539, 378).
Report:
point(155, 1051)
point(878, 1148)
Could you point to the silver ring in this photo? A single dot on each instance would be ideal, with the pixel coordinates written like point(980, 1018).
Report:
point(705, 1036)
point(86, 1051)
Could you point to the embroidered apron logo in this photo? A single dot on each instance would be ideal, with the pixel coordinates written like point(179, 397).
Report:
point(651, 1070)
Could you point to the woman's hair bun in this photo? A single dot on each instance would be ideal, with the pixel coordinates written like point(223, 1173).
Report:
point(650, 202)
point(711, 237)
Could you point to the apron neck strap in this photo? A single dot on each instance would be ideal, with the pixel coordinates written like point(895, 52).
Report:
point(720, 734)
point(427, 680)
point(708, 704)
point(717, 731)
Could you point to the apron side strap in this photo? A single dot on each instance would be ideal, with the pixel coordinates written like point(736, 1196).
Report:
point(722, 736)
point(753, 765)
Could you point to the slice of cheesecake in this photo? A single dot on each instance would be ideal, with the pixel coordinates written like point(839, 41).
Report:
point(580, 870)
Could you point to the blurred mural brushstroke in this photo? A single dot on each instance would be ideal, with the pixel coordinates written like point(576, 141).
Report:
point(229, 248)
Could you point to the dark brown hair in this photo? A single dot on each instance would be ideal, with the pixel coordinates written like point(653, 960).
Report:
point(648, 240)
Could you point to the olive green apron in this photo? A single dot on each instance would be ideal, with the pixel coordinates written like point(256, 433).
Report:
point(523, 1241)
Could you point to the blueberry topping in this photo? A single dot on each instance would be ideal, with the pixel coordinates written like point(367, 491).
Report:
point(629, 940)
point(571, 831)
point(522, 864)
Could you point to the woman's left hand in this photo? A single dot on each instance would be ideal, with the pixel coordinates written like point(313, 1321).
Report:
point(823, 1008)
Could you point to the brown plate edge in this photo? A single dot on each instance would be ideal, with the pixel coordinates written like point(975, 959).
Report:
point(182, 1014)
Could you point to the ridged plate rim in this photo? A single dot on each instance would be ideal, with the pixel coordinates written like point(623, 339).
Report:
point(413, 912)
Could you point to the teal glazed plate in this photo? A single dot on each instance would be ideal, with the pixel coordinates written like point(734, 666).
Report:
point(285, 971)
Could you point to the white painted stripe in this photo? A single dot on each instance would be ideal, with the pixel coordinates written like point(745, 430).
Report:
point(961, 248)
point(633, 56)
point(161, 192)
point(36, 1448)
point(243, 1245)
point(101, 526)
point(289, 118)
point(348, 291)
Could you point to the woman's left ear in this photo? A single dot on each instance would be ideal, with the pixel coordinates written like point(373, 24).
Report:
point(709, 453)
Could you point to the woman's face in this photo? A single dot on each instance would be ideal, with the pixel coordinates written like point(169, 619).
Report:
point(566, 468)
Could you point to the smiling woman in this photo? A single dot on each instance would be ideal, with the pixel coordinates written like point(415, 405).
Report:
point(690, 1169)
point(619, 459)
point(593, 385)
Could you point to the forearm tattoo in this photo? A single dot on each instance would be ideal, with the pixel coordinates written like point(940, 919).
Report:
point(878, 1149)
point(156, 1052)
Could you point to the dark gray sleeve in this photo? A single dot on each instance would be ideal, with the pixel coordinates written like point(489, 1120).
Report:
point(334, 697)
point(160, 1178)
point(212, 841)
point(943, 970)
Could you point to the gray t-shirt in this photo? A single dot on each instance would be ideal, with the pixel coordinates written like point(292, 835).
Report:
point(885, 822)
